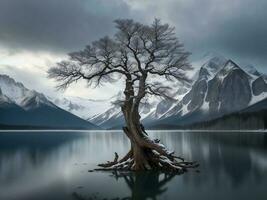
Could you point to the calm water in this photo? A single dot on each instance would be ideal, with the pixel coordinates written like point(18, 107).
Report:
point(47, 165)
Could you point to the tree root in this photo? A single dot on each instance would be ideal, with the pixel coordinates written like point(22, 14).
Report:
point(150, 159)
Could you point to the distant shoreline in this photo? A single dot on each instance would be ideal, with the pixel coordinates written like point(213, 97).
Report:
point(118, 130)
point(4, 127)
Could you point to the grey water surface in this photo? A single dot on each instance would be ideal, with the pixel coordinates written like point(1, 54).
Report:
point(54, 165)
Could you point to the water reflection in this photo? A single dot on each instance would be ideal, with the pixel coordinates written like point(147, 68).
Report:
point(146, 185)
point(55, 166)
point(142, 185)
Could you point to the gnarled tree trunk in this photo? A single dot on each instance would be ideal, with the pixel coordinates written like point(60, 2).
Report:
point(145, 153)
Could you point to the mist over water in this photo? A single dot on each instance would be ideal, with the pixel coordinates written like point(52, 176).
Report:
point(54, 165)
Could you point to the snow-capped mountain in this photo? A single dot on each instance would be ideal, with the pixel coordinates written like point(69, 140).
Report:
point(253, 117)
point(20, 95)
point(21, 106)
point(219, 86)
point(152, 108)
point(231, 88)
point(113, 115)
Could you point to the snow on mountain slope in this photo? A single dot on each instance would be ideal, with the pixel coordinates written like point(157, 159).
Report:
point(101, 111)
point(162, 107)
point(203, 71)
point(113, 116)
point(12, 89)
point(109, 118)
point(220, 86)
point(250, 69)
point(15, 91)
point(20, 106)
point(207, 66)
point(255, 99)
point(4, 99)
point(84, 108)
point(230, 89)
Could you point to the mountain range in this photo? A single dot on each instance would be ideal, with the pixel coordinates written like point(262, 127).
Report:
point(22, 107)
point(219, 87)
point(220, 91)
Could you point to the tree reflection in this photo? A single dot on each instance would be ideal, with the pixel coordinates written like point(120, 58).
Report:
point(143, 185)
point(146, 185)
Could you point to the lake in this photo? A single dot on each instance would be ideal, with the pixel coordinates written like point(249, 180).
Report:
point(54, 165)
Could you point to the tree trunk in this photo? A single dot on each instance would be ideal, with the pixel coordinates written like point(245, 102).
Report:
point(145, 154)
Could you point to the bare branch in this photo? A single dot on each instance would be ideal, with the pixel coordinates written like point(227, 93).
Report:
point(137, 52)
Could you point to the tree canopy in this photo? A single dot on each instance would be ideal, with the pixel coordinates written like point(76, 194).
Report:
point(137, 53)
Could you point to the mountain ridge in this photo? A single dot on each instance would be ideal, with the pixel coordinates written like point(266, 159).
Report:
point(221, 87)
point(20, 106)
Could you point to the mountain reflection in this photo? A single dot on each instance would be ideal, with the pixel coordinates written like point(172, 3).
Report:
point(231, 157)
point(57, 164)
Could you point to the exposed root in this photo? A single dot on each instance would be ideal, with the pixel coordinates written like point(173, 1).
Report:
point(150, 159)
point(109, 164)
point(116, 161)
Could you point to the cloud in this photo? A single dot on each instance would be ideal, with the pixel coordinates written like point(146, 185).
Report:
point(30, 68)
point(56, 25)
point(235, 28)
point(36, 33)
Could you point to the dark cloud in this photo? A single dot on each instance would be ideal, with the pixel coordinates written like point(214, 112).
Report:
point(235, 28)
point(56, 24)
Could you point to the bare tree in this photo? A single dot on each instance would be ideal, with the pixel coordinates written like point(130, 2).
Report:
point(141, 55)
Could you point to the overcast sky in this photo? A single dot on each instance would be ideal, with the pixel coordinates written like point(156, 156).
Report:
point(34, 34)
